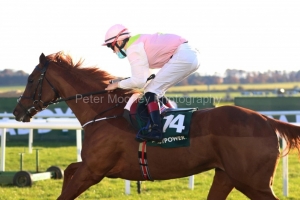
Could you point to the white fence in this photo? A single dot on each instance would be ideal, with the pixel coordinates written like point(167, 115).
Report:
point(73, 124)
point(50, 123)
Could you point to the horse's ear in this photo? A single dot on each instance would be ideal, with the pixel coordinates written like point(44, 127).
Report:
point(43, 59)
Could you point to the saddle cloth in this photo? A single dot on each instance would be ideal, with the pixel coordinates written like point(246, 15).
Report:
point(175, 122)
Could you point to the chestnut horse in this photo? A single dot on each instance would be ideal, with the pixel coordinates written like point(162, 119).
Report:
point(240, 144)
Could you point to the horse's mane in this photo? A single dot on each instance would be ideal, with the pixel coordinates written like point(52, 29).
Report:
point(77, 69)
point(85, 75)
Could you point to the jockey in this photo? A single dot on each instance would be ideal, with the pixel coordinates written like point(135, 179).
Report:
point(170, 53)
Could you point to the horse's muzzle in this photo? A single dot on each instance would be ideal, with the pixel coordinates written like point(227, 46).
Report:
point(21, 116)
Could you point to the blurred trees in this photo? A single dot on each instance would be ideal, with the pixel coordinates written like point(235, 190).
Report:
point(9, 77)
point(234, 76)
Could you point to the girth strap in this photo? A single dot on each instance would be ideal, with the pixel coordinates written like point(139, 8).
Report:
point(142, 154)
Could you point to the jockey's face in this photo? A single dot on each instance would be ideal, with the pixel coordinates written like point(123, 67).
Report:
point(114, 47)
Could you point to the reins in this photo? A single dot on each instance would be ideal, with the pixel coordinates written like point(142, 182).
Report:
point(74, 97)
point(84, 95)
point(103, 118)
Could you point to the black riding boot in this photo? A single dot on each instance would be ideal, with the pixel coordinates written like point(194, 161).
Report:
point(155, 133)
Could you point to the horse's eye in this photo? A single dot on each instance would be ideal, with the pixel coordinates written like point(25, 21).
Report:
point(30, 81)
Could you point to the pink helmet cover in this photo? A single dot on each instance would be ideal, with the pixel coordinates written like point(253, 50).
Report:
point(115, 33)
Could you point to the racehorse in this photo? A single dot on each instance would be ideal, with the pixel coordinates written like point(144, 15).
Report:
point(240, 144)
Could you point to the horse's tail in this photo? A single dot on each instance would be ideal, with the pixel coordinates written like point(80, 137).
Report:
point(290, 132)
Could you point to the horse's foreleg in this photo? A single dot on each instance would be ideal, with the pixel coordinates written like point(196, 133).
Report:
point(69, 172)
point(82, 179)
point(221, 186)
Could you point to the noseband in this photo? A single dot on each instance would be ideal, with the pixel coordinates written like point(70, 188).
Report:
point(37, 104)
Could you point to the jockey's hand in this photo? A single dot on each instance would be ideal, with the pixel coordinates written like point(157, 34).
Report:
point(112, 87)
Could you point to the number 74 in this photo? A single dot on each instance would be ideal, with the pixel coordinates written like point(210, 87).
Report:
point(176, 122)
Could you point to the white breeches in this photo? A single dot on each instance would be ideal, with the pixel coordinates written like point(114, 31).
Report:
point(184, 62)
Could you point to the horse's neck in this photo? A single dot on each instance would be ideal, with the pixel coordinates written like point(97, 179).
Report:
point(92, 107)
point(88, 107)
point(82, 107)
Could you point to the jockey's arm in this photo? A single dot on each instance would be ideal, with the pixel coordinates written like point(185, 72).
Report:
point(139, 67)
